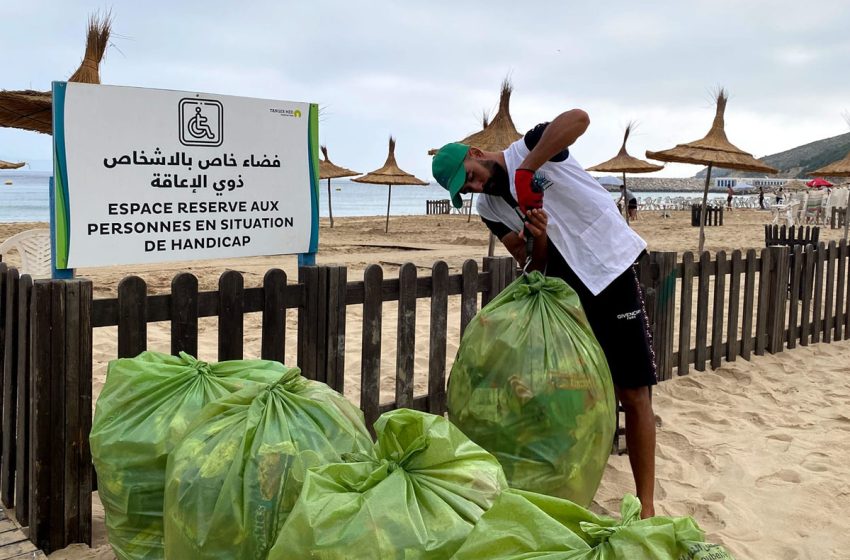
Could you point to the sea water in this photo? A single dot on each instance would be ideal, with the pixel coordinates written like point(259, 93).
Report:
point(27, 200)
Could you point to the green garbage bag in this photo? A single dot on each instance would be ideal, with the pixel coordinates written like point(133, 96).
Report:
point(235, 476)
point(531, 385)
point(415, 496)
point(527, 525)
point(144, 409)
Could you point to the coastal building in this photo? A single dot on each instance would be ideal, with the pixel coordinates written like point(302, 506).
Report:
point(724, 182)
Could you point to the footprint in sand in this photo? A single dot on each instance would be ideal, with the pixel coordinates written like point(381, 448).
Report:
point(814, 462)
point(718, 497)
point(784, 476)
point(781, 437)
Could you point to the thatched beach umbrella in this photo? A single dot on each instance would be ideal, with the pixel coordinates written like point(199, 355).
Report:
point(327, 170)
point(712, 150)
point(624, 163)
point(32, 110)
point(390, 174)
point(7, 165)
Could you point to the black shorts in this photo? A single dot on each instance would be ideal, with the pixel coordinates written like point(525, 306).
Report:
point(618, 319)
point(633, 204)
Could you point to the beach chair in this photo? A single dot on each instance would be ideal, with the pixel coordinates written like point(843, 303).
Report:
point(33, 246)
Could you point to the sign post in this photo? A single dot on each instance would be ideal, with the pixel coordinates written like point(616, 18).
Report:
point(145, 176)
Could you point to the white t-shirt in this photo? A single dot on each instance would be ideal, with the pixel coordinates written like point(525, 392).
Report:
point(584, 224)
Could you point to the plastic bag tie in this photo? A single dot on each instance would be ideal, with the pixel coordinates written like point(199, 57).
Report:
point(535, 283)
point(630, 513)
point(202, 368)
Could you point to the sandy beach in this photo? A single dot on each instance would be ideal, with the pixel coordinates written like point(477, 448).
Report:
point(752, 450)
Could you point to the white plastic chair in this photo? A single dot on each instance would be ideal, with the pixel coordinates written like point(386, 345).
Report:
point(33, 246)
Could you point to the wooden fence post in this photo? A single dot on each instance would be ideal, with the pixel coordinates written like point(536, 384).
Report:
point(321, 324)
point(663, 298)
point(61, 345)
point(778, 291)
point(9, 390)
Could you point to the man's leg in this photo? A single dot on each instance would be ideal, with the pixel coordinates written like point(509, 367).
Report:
point(640, 440)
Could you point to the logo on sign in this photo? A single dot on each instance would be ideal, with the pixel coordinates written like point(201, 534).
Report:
point(201, 122)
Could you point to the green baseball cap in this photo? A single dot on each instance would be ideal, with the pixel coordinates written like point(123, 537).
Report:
point(447, 168)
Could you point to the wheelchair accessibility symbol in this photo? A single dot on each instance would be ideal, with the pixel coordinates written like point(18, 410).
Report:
point(201, 122)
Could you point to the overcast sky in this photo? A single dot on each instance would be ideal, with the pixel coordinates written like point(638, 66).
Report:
point(425, 71)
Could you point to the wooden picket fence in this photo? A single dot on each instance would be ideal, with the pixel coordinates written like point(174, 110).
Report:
point(740, 305)
point(438, 206)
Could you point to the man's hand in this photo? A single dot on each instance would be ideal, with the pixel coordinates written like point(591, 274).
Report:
point(535, 224)
point(528, 196)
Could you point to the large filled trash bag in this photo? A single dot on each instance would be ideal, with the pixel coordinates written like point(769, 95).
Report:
point(143, 411)
point(527, 525)
point(531, 385)
point(235, 476)
point(416, 496)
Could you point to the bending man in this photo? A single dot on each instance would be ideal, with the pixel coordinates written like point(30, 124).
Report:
point(579, 237)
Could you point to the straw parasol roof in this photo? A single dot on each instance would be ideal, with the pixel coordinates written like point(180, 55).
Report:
point(840, 168)
point(390, 174)
point(7, 165)
point(328, 170)
point(714, 149)
point(624, 163)
point(32, 110)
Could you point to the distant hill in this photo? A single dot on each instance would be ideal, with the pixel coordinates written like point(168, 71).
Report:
point(796, 162)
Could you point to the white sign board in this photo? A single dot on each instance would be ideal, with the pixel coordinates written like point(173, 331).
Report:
point(145, 175)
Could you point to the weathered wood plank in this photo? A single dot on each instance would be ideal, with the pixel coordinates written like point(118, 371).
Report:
point(9, 392)
point(805, 310)
point(231, 316)
point(685, 311)
point(736, 265)
point(829, 292)
point(665, 304)
point(705, 270)
point(85, 479)
point(405, 336)
point(817, 300)
point(184, 314)
point(308, 277)
point(778, 291)
point(437, 346)
point(493, 267)
point(839, 290)
point(22, 454)
point(320, 343)
point(58, 407)
point(41, 447)
point(718, 310)
point(797, 264)
point(336, 328)
point(749, 304)
point(763, 303)
point(132, 317)
point(370, 363)
point(273, 345)
point(72, 425)
point(469, 296)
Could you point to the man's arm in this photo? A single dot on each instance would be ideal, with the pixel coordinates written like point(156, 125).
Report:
point(559, 135)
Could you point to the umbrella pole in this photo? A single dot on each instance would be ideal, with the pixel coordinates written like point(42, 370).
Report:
point(491, 245)
point(846, 215)
point(703, 210)
point(389, 197)
point(625, 201)
point(469, 214)
point(330, 206)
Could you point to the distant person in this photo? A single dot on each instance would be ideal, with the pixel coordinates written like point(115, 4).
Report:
point(729, 194)
point(779, 195)
point(628, 198)
point(761, 198)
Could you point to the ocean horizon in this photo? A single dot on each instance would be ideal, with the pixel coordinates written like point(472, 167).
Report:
point(27, 198)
